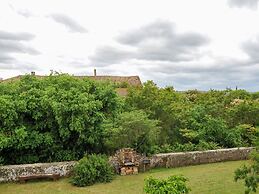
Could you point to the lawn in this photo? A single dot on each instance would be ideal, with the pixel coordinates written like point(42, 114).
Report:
point(214, 178)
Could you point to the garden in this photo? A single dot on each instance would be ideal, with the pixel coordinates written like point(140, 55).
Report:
point(61, 118)
point(207, 178)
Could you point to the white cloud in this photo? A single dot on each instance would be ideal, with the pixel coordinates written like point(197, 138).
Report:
point(188, 44)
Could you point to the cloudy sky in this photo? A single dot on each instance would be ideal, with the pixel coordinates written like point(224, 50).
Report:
point(187, 44)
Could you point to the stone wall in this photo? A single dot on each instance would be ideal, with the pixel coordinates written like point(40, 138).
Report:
point(199, 157)
point(11, 172)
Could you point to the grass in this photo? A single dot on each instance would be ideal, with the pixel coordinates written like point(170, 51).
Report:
point(214, 178)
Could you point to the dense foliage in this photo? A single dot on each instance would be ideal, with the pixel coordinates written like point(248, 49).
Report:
point(92, 169)
point(174, 184)
point(133, 129)
point(53, 119)
point(250, 174)
point(61, 118)
point(195, 120)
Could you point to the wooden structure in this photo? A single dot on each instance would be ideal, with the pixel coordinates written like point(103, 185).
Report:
point(23, 179)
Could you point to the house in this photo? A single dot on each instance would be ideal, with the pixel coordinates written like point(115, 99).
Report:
point(122, 81)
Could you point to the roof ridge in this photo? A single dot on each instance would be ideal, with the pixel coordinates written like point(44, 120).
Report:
point(131, 80)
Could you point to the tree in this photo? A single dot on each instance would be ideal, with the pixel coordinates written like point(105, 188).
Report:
point(133, 129)
point(245, 112)
point(53, 119)
point(163, 104)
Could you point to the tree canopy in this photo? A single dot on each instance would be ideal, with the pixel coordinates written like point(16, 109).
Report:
point(53, 119)
point(61, 117)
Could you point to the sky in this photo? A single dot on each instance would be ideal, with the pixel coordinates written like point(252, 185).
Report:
point(201, 44)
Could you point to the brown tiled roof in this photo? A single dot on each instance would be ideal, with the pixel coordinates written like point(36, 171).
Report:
point(131, 80)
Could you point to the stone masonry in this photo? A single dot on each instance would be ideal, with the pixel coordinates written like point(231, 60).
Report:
point(199, 157)
point(11, 172)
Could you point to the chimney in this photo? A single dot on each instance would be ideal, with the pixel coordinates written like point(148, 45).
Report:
point(94, 72)
point(33, 73)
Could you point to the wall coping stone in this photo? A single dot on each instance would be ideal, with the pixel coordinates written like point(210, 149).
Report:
point(177, 159)
point(205, 151)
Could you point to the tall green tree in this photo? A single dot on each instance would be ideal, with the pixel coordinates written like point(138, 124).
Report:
point(52, 119)
point(133, 129)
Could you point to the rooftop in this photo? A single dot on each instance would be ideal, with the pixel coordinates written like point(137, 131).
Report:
point(130, 80)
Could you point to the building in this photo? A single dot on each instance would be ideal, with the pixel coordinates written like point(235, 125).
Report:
point(122, 81)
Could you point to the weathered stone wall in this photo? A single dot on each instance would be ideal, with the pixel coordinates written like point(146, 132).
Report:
point(11, 172)
point(199, 157)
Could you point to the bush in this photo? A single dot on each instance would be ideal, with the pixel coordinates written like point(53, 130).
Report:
point(92, 169)
point(250, 174)
point(174, 184)
point(187, 147)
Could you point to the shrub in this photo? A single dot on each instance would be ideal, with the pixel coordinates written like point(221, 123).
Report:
point(201, 146)
point(175, 184)
point(248, 133)
point(250, 173)
point(92, 169)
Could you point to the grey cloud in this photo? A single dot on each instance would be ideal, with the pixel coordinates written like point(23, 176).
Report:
point(205, 81)
point(7, 46)
point(13, 43)
point(68, 22)
point(222, 73)
point(159, 52)
point(251, 48)
point(251, 4)
point(107, 55)
point(5, 58)
point(218, 66)
point(156, 29)
point(161, 30)
point(15, 65)
point(16, 36)
point(158, 41)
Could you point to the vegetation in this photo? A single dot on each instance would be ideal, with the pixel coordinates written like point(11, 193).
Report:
point(196, 120)
point(207, 179)
point(61, 118)
point(53, 119)
point(250, 173)
point(92, 169)
point(173, 184)
point(133, 129)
